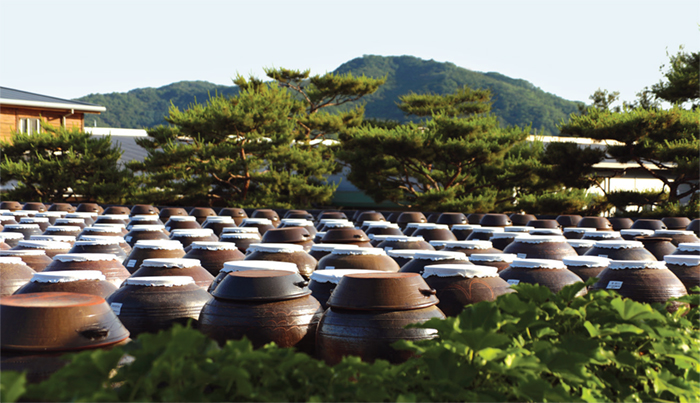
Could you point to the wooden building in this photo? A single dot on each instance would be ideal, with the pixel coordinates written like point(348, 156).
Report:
point(22, 111)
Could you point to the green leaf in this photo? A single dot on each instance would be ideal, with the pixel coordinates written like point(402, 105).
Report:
point(12, 386)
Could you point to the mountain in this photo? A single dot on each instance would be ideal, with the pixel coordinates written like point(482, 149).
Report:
point(515, 101)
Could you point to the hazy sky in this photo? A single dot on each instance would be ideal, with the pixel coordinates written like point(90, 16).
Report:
point(71, 48)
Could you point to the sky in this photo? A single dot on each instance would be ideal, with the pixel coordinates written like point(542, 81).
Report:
point(72, 48)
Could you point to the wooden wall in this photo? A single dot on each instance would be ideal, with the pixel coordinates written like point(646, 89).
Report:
point(9, 119)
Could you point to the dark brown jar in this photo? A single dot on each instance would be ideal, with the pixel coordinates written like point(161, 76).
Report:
point(544, 223)
point(620, 223)
point(34, 206)
point(213, 255)
point(521, 219)
point(165, 214)
point(678, 223)
point(459, 285)
point(462, 232)
point(541, 247)
point(603, 236)
point(282, 252)
point(117, 210)
point(686, 268)
point(152, 304)
point(14, 273)
point(577, 232)
point(146, 233)
point(383, 228)
point(238, 214)
point(568, 220)
point(349, 236)
point(677, 236)
point(369, 216)
point(621, 250)
point(105, 230)
point(246, 265)
point(404, 242)
point(299, 223)
point(143, 209)
point(64, 230)
point(642, 281)
point(483, 233)
point(694, 226)
point(632, 234)
point(470, 247)
point(202, 213)
point(500, 240)
point(51, 248)
point(105, 245)
point(89, 208)
point(91, 282)
point(370, 311)
point(88, 218)
point(586, 266)
point(113, 219)
point(413, 226)
point(410, 216)
point(176, 267)
point(160, 249)
point(217, 224)
point(187, 236)
point(54, 238)
point(599, 223)
point(658, 246)
point(27, 230)
point(333, 215)
point(402, 256)
point(118, 240)
point(42, 222)
point(435, 232)
point(36, 259)
point(648, 223)
point(181, 222)
point(70, 222)
point(242, 240)
point(500, 261)
point(451, 219)
point(323, 282)
point(145, 220)
point(426, 258)
point(330, 223)
point(320, 250)
point(52, 216)
point(67, 207)
point(302, 214)
point(550, 273)
point(7, 219)
point(546, 232)
point(107, 264)
point(358, 258)
point(262, 224)
point(687, 249)
point(264, 306)
point(474, 218)
point(581, 246)
point(495, 220)
point(292, 235)
point(438, 245)
point(268, 214)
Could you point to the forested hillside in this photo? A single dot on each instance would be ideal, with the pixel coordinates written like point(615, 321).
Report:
point(515, 101)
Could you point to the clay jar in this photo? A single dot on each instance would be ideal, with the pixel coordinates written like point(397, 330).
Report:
point(175, 267)
point(292, 235)
point(632, 234)
point(369, 312)
point(462, 232)
point(246, 265)
point(27, 230)
point(603, 236)
point(71, 222)
point(686, 268)
point(118, 240)
point(299, 223)
point(544, 223)
point(104, 245)
point(88, 218)
point(238, 214)
point(269, 214)
point(620, 223)
point(11, 238)
point(687, 249)
point(107, 264)
point(213, 255)
point(202, 213)
point(483, 233)
point(451, 219)
point(371, 216)
point(677, 236)
point(262, 224)
point(546, 231)
point(500, 240)
point(470, 247)
point(10, 205)
point(152, 250)
point(581, 246)
point(120, 210)
point(521, 219)
point(426, 258)
point(152, 304)
point(281, 252)
point(149, 232)
point(91, 282)
point(181, 222)
point(34, 206)
point(143, 209)
point(694, 226)
point(402, 256)
point(117, 230)
point(576, 232)
point(145, 220)
point(500, 261)
point(676, 223)
point(242, 240)
point(552, 274)
point(327, 224)
point(64, 230)
point(323, 282)
point(413, 226)
point(410, 216)
point(349, 236)
point(657, 245)
point(568, 220)
point(303, 214)
point(187, 236)
point(36, 259)
point(541, 247)
point(586, 266)
point(459, 285)
point(264, 306)
point(495, 220)
point(642, 281)
point(89, 208)
point(599, 223)
point(384, 228)
point(621, 250)
point(320, 250)
point(165, 214)
point(435, 232)
point(42, 222)
point(14, 273)
point(52, 216)
point(51, 248)
point(217, 224)
point(404, 242)
point(67, 207)
point(648, 223)
point(113, 219)
point(358, 258)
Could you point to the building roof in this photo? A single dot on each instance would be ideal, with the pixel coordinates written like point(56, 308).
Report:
point(124, 139)
point(10, 96)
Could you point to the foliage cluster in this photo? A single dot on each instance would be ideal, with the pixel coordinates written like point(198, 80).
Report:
point(527, 346)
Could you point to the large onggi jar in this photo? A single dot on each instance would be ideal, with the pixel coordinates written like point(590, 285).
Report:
point(34, 258)
point(323, 282)
point(52, 248)
point(182, 222)
point(426, 258)
point(500, 261)
point(404, 242)
point(621, 250)
point(581, 246)
point(586, 266)
point(14, 273)
point(402, 256)
point(11, 238)
point(159, 249)
point(145, 220)
point(246, 265)
point(176, 267)
point(213, 255)
point(687, 249)
point(550, 273)
point(91, 282)
point(63, 230)
point(187, 236)
point(281, 252)
point(320, 250)
point(262, 224)
point(462, 231)
point(105, 245)
point(108, 264)
point(686, 268)
point(470, 247)
point(146, 232)
point(217, 224)
point(483, 233)
point(242, 240)
point(358, 258)
point(541, 247)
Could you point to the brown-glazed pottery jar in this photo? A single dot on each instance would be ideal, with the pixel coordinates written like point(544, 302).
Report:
point(36, 259)
point(152, 304)
point(241, 240)
point(159, 249)
point(384, 228)
point(402, 256)
point(474, 218)
point(113, 219)
point(541, 247)
point(632, 234)
point(52, 216)
point(181, 222)
point(107, 264)
point(14, 273)
point(246, 265)
point(657, 245)
point(677, 236)
point(577, 232)
point(34, 206)
point(65, 230)
point(299, 222)
point(264, 306)
point(581, 246)
point(686, 268)
point(404, 242)
point(91, 282)
point(687, 249)
point(410, 216)
point(103, 230)
point(500, 240)
point(599, 223)
point(435, 232)
point(521, 219)
point(145, 220)
point(89, 208)
point(299, 214)
point(238, 214)
point(648, 223)
point(146, 233)
point(262, 224)
point(143, 209)
point(694, 226)
point(27, 230)
point(327, 224)
point(483, 233)
point(620, 223)
point(358, 258)
point(470, 247)
point(55, 238)
point(370, 311)
point(213, 255)
point(369, 216)
point(202, 213)
point(168, 212)
point(10, 205)
point(421, 259)
point(217, 224)
point(603, 236)
point(282, 252)
point(462, 232)
point(495, 220)
point(292, 235)
point(642, 281)
point(323, 282)
point(546, 231)
point(459, 285)
point(349, 236)
point(105, 245)
point(621, 250)
point(51, 248)
point(332, 215)
point(88, 218)
point(500, 261)
point(568, 220)
point(269, 214)
point(175, 267)
point(42, 222)
point(586, 266)
point(321, 250)
point(117, 210)
point(678, 223)
point(411, 227)
point(552, 274)
point(543, 223)
point(70, 222)
point(187, 236)
point(451, 219)
point(67, 207)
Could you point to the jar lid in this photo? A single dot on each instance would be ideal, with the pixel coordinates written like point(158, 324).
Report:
point(538, 239)
point(11, 235)
point(70, 221)
point(664, 232)
point(493, 257)
point(276, 248)
point(63, 228)
point(243, 265)
point(333, 276)
point(487, 230)
point(182, 218)
point(172, 263)
point(219, 219)
point(158, 245)
point(689, 246)
point(512, 235)
point(438, 243)
point(116, 216)
point(425, 225)
point(586, 261)
point(439, 255)
point(22, 226)
point(459, 270)
point(635, 264)
point(403, 253)
point(399, 238)
point(94, 240)
point(328, 220)
point(103, 228)
point(328, 247)
point(240, 230)
point(32, 220)
point(108, 225)
point(23, 252)
point(619, 245)
point(85, 257)
point(538, 264)
point(263, 221)
point(345, 224)
point(48, 245)
point(20, 213)
point(159, 281)
point(153, 218)
point(191, 233)
point(381, 224)
point(469, 244)
point(380, 238)
point(637, 232)
point(546, 232)
point(55, 214)
point(580, 230)
point(465, 226)
point(245, 235)
point(82, 214)
point(518, 228)
point(358, 251)
point(601, 235)
point(213, 246)
point(581, 243)
point(11, 260)
point(148, 227)
point(683, 260)
point(67, 276)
